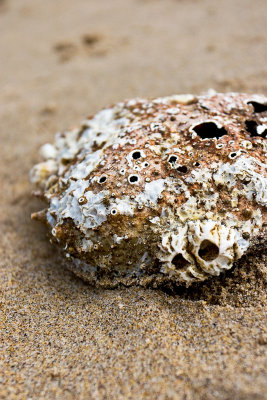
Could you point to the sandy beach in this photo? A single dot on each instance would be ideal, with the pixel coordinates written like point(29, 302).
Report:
point(59, 337)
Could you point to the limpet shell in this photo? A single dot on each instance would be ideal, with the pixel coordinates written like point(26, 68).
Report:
point(172, 189)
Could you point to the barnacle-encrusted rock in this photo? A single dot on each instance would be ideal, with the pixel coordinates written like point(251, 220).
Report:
point(171, 189)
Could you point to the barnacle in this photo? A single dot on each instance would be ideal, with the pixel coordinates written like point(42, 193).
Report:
point(170, 189)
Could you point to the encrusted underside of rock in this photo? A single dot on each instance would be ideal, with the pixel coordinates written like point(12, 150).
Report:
point(172, 189)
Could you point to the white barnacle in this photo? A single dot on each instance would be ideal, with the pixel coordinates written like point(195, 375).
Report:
point(246, 144)
point(48, 151)
point(41, 172)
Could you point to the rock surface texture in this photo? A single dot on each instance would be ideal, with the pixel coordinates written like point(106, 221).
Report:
point(150, 191)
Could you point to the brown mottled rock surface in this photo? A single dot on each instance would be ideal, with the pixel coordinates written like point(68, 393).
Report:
point(61, 338)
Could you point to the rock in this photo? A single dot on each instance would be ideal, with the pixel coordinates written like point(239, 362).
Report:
point(149, 191)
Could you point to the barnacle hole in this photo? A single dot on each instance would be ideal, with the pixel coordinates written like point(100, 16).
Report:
point(208, 251)
point(251, 127)
point(136, 155)
point(233, 155)
point(209, 130)
point(179, 261)
point(102, 179)
point(82, 200)
point(133, 179)
point(182, 169)
point(172, 159)
point(258, 107)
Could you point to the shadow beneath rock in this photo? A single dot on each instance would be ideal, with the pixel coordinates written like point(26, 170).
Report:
point(243, 286)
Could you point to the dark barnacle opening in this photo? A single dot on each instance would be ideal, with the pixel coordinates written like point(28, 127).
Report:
point(172, 159)
point(136, 155)
point(182, 169)
point(233, 155)
point(179, 261)
point(209, 130)
point(258, 107)
point(102, 179)
point(133, 178)
point(251, 127)
point(208, 251)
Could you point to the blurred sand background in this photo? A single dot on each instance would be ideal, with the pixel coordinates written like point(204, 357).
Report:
point(61, 339)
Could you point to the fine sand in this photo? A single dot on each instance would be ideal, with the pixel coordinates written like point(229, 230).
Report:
point(60, 338)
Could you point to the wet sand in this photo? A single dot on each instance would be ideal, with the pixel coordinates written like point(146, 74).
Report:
point(60, 338)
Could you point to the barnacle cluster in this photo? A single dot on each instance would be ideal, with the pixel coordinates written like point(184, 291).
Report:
point(171, 189)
